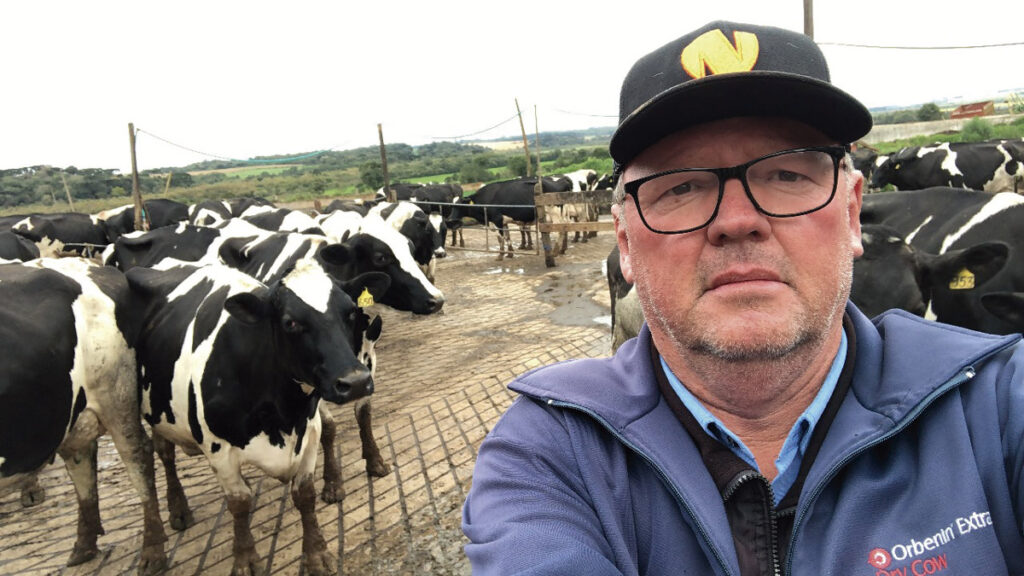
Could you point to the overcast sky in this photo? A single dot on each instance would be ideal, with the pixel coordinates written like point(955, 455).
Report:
point(243, 79)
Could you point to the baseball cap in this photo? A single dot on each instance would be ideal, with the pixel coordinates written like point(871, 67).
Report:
point(728, 69)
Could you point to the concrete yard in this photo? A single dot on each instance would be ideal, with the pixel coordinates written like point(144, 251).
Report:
point(440, 386)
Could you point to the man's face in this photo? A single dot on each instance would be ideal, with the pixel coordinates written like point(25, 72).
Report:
point(747, 286)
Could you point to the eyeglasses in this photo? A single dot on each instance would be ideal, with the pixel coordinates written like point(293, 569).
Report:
point(781, 185)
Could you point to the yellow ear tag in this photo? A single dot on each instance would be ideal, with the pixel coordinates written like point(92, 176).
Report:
point(365, 299)
point(963, 280)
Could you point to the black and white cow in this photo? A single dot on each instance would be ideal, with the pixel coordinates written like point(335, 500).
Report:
point(983, 229)
point(371, 246)
point(280, 219)
point(436, 201)
point(894, 274)
point(507, 200)
point(15, 247)
point(864, 161)
point(992, 166)
point(583, 180)
point(160, 212)
point(67, 375)
point(413, 223)
point(235, 370)
point(54, 234)
point(209, 213)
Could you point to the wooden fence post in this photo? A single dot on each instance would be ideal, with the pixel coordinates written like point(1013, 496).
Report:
point(141, 218)
point(388, 193)
point(538, 190)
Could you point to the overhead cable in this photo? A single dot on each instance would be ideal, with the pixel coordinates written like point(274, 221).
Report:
point(226, 158)
point(848, 45)
point(502, 123)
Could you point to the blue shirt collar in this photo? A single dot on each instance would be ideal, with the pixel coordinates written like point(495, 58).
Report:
point(788, 462)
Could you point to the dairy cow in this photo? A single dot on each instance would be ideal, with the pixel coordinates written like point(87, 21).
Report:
point(413, 223)
point(15, 247)
point(235, 370)
point(370, 246)
point(992, 166)
point(280, 219)
point(983, 229)
point(159, 212)
point(499, 202)
point(67, 375)
point(55, 234)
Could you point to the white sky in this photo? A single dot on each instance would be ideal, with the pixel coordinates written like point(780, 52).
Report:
point(242, 79)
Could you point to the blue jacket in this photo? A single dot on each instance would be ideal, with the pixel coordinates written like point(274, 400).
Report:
point(590, 472)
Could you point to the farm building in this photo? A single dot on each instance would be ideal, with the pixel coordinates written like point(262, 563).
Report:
point(973, 110)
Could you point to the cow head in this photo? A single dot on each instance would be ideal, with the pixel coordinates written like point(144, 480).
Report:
point(381, 248)
point(888, 170)
point(312, 320)
point(887, 275)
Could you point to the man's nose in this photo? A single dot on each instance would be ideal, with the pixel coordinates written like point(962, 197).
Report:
point(737, 216)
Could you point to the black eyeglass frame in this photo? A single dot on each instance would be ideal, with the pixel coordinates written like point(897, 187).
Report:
point(838, 153)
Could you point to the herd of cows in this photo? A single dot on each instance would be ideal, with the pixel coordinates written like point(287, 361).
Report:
point(945, 245)
point(225, 326)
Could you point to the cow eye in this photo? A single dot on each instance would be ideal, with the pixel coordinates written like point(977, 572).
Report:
point(380, 259)
point(292, 326)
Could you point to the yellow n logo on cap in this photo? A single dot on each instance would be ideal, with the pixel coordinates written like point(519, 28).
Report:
point(712, 53)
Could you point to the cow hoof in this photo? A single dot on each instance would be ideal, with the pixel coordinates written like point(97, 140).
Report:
point(320, 563)
point(332, 493)
point(246, 564)
point(152, 561)
point(181, 520)
point(32, 495)
point(377, 468)
point(81, 554)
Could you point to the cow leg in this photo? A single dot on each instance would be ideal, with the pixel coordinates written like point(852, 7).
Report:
point(124, 424)
point(246, 560)
point(501, 245)
point(333, 490)
point(316, 559)
point(179, 514)
point(375, 464)
point(80, 461)
point(32, 492)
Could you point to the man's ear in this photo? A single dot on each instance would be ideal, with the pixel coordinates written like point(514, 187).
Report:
point(625, 265)
point(856, 197)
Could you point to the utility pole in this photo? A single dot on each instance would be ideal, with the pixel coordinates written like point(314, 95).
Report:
point(67, 191)
point(141, 219)
point(388, 193)
point(809, 18)
point(526, 147)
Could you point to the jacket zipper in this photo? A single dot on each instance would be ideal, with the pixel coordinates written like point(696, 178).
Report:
point(965, 375)
point(773, 525)
point(664, 477)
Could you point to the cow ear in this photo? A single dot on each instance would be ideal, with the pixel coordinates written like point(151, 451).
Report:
point(336, 254)
point(1008, 306)
point(374, 329)
point(982, 262)
point(376, 283)
point(232, 252)
point(247, 307)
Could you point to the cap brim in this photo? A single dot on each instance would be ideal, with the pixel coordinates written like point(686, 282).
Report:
point(815, 103)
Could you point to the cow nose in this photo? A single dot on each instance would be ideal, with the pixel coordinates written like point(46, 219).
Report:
point(436, 304)
point(354, 385)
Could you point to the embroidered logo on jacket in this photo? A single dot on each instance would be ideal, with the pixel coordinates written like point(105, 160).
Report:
point(923, 556)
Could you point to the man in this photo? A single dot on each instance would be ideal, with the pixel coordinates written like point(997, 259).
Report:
point(759, 423)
